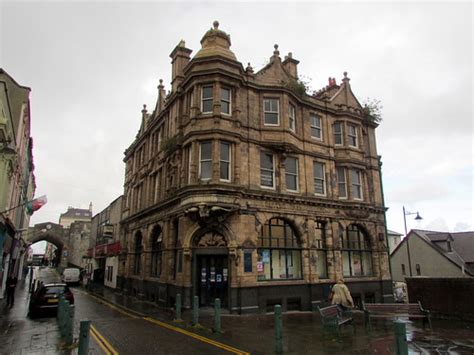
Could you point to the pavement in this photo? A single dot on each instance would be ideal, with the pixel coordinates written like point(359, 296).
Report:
point(302, 333)
point(19, 334)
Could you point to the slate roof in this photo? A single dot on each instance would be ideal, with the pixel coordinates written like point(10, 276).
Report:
point(77, 212)
point(462, 245)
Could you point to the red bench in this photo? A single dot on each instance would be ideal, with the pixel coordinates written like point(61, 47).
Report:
point(395, 310)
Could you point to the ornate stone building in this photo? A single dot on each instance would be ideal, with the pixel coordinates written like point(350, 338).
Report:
point(242, 186)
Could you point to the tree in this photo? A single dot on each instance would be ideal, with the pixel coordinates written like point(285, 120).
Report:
point(373, 109)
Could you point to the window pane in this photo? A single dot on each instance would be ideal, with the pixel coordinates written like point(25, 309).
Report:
point(367, 263)
point(266, 169)
point(267, 105)
point(207, 106)
point(225, 107)
point(346, 269)
point(266, 161)
point(291, 165)
point(207, 92)
point(274, 105)
point(206, 170)
point(337, 133)
point(247, 261)
point(206, 150)
point(341, 179)
point(264, 258)
point(291, 182)
point(225, 151)
point(279, 264)
point(266, 179)
point(271, 118)
point(356, 264)
point(225, 94)
point(224, 171)
point(294, 264)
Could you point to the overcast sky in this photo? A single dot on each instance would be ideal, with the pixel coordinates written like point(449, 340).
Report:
point(92, 65)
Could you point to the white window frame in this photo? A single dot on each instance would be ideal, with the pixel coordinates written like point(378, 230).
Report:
point(323, 179)
point(277, 112)
point(356, 184)
point(294, 175)
point(354, 136)
point(190, 159)
point(207, 98)
point(292, 117)
point(229, 162)
point(228, 101)
point(340, 133)
point(316, 119)
point(272, 171)
point(341, 181)
point(204, 160)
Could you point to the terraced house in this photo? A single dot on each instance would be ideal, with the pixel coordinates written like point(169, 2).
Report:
point(241, 185)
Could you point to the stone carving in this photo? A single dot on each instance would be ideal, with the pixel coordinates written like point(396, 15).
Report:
point(357, 213)
point(211, 240)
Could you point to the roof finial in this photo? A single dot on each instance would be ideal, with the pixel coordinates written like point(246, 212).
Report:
point(276, 52)
point(161, 83)
point(144, 109)
point(345, 79)
point(249, 68)
point(216, 25)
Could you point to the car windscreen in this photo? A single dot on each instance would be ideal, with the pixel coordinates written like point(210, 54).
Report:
point(54, 290)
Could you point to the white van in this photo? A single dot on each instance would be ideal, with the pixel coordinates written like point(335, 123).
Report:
point(71, 275)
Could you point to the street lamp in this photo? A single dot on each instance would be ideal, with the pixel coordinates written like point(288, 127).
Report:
point(417, 218)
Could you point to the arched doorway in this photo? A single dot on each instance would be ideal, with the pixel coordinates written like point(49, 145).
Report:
point(211, 271)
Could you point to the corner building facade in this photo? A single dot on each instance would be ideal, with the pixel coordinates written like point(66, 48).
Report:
point(241, 186)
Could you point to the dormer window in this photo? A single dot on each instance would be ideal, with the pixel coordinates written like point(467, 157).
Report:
point(206, 99)
point(225, 101)
point(271, 112)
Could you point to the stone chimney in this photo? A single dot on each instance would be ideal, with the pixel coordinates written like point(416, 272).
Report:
point(291, 65)
point(180, 57)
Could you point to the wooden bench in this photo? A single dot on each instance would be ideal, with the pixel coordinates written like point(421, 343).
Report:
point(333, 318)
point(395, 310)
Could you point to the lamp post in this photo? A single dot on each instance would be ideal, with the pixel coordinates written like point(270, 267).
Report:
point(417, 218)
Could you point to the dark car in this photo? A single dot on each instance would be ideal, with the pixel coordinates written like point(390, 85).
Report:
point(45, 298)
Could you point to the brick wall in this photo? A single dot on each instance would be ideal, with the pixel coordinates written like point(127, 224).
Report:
point(444, 297)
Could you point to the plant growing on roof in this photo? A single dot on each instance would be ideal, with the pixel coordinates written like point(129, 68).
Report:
point(169, 145)
point(300, 86)
point(372, 109)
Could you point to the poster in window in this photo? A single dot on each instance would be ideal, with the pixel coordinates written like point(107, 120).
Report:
point(218, 278)
point(213, 274)
point(259, 266)
point(224, 274)
point(266, 256)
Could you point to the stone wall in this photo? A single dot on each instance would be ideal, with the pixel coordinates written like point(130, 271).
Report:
point(444, 297)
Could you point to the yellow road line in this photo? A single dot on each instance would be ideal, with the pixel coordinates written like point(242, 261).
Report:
point(176, 329)
point(104, 344)
point(198, 337)
point(118, 309)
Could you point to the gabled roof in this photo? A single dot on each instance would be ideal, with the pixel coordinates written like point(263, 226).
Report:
point(77, 213)
point(274, 72)
point(462, 246)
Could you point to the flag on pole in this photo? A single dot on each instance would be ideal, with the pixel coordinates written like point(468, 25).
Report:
point(36, 204)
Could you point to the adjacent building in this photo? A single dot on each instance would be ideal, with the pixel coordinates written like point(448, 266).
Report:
point(102, 262)
point(241, 185)
point(75, 215)
point(17, 180)
point(394, 238)
point(434, 254)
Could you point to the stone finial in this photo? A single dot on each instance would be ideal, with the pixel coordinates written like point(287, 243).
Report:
point(161, 84)
point(345, 79)
point(290, 55)
point(276, 52)
point(182, 44)
point(216, 25)
point(249, 68)
point(144, 109)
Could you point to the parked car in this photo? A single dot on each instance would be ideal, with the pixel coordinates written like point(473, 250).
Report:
point(45, 298)
point(71, 275)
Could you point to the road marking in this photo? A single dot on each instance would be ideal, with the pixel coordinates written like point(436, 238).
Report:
point(170, 327)
point(198, 337)
point(118, 309)
point(104, 344)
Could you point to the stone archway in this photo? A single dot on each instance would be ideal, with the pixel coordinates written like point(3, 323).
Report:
point(52, 233)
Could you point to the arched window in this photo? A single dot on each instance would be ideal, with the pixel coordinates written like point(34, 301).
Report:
point(321, 250)
point(279, 253)
point(156, 251)
point(356, 252)
point(138, 253)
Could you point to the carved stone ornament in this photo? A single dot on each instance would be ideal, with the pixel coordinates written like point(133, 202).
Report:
point(212, 240)
point(357, 213)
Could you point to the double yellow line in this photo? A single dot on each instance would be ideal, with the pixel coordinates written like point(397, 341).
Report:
point(104, 344)
point(109, 350)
